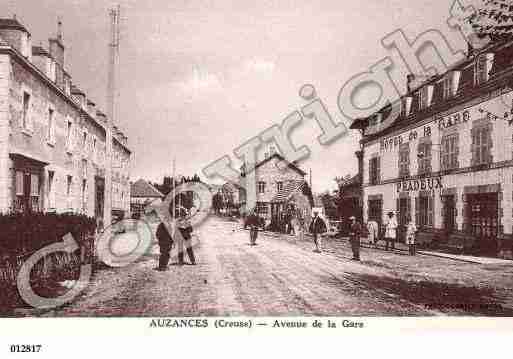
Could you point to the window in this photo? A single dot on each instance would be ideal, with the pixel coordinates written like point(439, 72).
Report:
point(20, 193)
point(51, 194)
point(424, 211)
point(261, 208)
point(84, 195)
point(26, 106)
point(68, 185)
point(50, 134)
point(375, 210)
point(261, 187)
point(424, 97)
point(404, 160)
point(481, 145)
point(424, 158)
point(34, 192)
point(374, 170)
point(450, 152)
point(279, 186)
point(69, 136)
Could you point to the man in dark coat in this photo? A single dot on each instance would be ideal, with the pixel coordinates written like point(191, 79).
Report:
point(253, 221)
point(165, 243)
point(317, 228)
point(355, 232)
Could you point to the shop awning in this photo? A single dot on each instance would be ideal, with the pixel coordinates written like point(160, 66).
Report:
point(29, 157)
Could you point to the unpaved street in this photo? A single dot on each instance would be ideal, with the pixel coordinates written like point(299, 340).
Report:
point(282, 277)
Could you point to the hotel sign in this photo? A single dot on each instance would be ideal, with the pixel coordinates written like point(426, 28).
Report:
point(421, 184)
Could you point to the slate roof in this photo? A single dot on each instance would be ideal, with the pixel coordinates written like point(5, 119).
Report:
point(288, 188)
point(280, 157)
point(141, 188)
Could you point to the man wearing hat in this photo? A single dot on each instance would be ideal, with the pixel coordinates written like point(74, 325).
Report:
point(317, 228)
point(390, 230)
point(354, 237)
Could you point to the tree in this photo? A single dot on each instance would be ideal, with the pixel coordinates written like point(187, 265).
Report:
point(329, 204)
point(494, 18)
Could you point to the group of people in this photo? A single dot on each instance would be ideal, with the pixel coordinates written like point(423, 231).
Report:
point(318, 228)
point(390, 233)
point(175, 233)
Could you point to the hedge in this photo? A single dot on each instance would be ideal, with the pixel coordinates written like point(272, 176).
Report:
point(26, 233)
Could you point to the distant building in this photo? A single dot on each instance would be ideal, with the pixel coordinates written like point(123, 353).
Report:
point(277, 188)
point(143, 194)
point(52, 138)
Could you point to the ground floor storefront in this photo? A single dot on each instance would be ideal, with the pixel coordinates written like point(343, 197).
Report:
point(469, 211)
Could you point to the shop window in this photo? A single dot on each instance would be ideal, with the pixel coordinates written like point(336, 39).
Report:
point(481, 145)
point(374, 170)
point(424, 158)
point(424, 211)
point(261, 187)
point(279, 186)
point(450, 152)
point(404, 160)
point(482, 215)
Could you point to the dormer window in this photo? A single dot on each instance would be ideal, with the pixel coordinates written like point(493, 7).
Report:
point(483, 66)
point(447, 87)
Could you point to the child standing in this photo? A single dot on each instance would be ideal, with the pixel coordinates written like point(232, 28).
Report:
point(411, 229)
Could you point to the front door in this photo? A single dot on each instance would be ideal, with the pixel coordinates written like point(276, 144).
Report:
point(449, 205)
point(482, 221)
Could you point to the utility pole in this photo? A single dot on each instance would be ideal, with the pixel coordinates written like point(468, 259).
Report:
point(111, 106)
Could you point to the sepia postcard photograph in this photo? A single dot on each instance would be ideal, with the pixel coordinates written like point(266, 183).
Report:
point(256, 165)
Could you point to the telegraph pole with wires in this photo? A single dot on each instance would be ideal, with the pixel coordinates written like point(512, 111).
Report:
point(114, 14)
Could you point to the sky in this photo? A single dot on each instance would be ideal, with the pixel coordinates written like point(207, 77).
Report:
point(197, 79)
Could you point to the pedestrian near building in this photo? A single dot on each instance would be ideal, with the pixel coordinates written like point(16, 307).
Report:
point(390, 231)
point(354, 237)
point(317, 228)
point(411, 231)
point(373, 229)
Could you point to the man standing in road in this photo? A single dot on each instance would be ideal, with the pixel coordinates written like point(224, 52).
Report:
point(354, 237)
point(253, 222)
point(390, 230)
point(317, 228)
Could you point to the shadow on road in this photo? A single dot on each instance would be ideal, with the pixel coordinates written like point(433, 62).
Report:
point(447, 298)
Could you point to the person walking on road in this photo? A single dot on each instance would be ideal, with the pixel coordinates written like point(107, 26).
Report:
point(317, 228)
point(253, 222)
point(390, 231)
point(411, 230)
point(354, 237)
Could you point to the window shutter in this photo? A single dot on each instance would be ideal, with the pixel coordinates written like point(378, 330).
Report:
point(417, 212)
point(490, 143)
point(457, 151)
point(378, 169)
point(370, 171)
point(408, 210)
point(473, 150)
point(430, 210)
point(428, 157)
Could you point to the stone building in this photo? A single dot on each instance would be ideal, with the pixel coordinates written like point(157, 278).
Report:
point(52, 137)
point(447, 159)
point(278, 184)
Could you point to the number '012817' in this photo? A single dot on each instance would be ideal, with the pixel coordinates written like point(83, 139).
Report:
point(25, 348)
